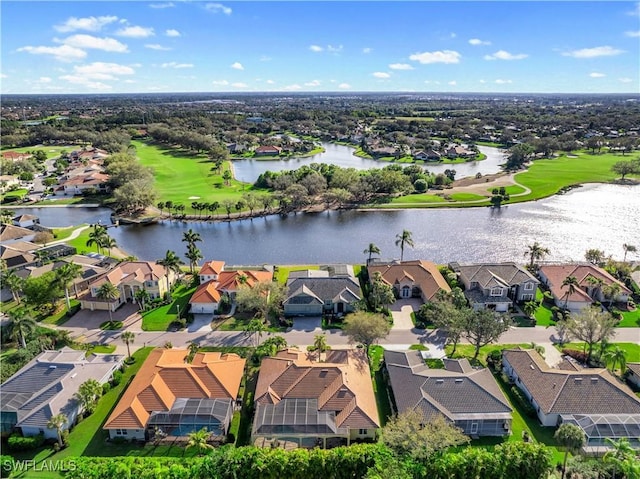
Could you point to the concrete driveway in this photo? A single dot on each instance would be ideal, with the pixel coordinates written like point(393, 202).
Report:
point(307, 324)
point(401, 311)
point(201, 323)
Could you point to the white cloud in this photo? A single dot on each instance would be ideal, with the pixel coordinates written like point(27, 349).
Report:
point(453, 35)
point(633, 34)
point(344, 86)
point(136, 32)
point(44, 80)
point(90, 42)
point(482, 81)
point(218, 8)
point(156, 46)
point(91, 24)
point(270, 82)
point(452, 83)
point(400, 66)
point(265, 58)
point(500, 81)
point(477, 41)
point(237, 66)
point(102, 70)
point(220, 82)
point(176, 65)
point(162, 5)
point(604, 51)
point(316, 48)
point(331, 48)
point(504, 55)
point(239, 85)
point(90, 84)
point(625, 80)
point(172, 32)
point(381, 75)
point(293, 87)
point(444, 56)
point(429, 82)
point(2, 75)
point(63, 53)
point(367, 50)
point(597, 75)
point(636, 11)
point(312, 83)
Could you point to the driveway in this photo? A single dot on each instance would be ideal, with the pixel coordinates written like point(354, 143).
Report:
point(401, 311)
point(307, 324)
point(86, 319)
point(201, 323)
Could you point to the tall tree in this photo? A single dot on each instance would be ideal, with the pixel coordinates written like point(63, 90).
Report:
point(97, 237)
point(263, 299)
point(624, 458)
point(194, 255)
point(591, 326)
point(404, 239)
point(109, 243)
point(484, 327)
point(371, 250)
point(22, 325)
point(15, 284)
point(66, 274)
point(320, 344)
point(88, 394)
point(616, 357)
point(381, 293)
point(58, 422)
point(628, 248)
point(611, 292)
point(142, 296)
point(535, 252)
point(108, 292)
point(571, 438)
point(191, 237)
point(444, 316)
point(198, 440)
point(572, 285)
point(171, 262)
point(595, 256)
point(366, 328)
point(127, 338)
point(255, 329)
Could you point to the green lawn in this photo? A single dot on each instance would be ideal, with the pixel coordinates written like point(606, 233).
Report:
point(466, 197)
point(632, 349)
point(64, 233)
point(424, 198)
point(240, 321)
point(630, 319)
point(160, 318)
point(61, 317)
point(380, 387)
point(183, 177)
point(511, 190)
point(51, 151)
point(80, 243)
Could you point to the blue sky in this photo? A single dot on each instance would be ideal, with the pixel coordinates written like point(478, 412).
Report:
point(203, 46)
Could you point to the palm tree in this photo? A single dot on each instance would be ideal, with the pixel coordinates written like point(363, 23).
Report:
point(530, 308)
point(65, 275)
point(193, 255)
point(108, 243)
point(88, 394)
point(572, 438)
point(193, 349)
point(596, 285)
point(22, 325)
point(14, 283)
point(96, 237)
point(624, 458)
point(628, 248)
point(614, 357)
point(108, 292)
point(199, 441)
point(320, 344)
point(142, 296)
point(611, 292)
point(57, 422)
point(371, 250)
point(571, 283)
point(191, 237)
point(171, 262)
point(535, 252)
point(404, 239)
point(161, 206)
point(127, 338)
point(257, 327)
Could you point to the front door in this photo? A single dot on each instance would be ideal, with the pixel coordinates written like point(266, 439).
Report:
point(406, 292)
point(340, 307)
point(474, 428)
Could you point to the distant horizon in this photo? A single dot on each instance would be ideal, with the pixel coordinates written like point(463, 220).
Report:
point(422, 47)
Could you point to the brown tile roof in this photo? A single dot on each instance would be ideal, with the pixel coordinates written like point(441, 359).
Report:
point(206, 293)
point(138, 271)
point(424, 274)
point(634, 367)
point(559, 391)
point(341, 384)
point(212, 267)
point(230, 280)
point(165, 376)
point(556, 274)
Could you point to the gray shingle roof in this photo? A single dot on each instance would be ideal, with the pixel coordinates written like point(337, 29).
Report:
point(324, 289)
point(457, 392)
point(487, 275)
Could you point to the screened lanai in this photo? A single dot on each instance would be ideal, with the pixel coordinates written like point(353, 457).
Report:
point(189, 415)
point(599, 427)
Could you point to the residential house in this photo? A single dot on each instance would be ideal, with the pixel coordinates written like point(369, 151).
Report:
point(633, 374)
point(591, 398)
point(129, 277)
point(458, 151)
point(317, 292)
point(592, 281)
point(428, 155)
point(309, 403)
point(469, 398)
point(217, 283)
point(7, 181)
point(18, 254)
point(46, 386)
point(26, 221)
point(81, 180)
point(15, 156)
point(88, 273)
point(496, 286)
point(411, 279)
point(172, 397)
point(268, 150)
point(11, 234)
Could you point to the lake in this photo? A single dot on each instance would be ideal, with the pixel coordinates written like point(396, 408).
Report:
point(593, 216)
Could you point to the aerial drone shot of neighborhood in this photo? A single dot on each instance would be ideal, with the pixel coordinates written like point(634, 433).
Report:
point(304, 239)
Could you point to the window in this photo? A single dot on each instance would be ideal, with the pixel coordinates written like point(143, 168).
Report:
point(121, 432)
point(496, 291)
point(528, 286)
point(362, 432)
